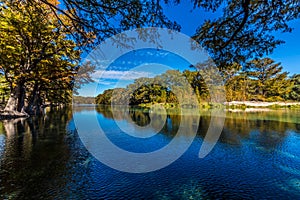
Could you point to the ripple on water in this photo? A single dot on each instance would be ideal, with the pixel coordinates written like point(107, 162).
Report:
point(290, 170)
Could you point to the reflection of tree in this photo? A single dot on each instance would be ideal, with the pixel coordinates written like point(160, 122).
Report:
point(139, 117)
point(35, 152)
point(142, 117)
point(172, 124)
point(271, 127)
point(80, 108)
point(106, 111)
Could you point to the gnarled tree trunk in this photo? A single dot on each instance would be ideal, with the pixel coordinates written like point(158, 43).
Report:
point(17, 98)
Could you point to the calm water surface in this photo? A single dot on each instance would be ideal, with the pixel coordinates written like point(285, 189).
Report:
point(257, 156)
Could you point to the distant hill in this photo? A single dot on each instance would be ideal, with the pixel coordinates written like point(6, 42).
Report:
point(83, 100)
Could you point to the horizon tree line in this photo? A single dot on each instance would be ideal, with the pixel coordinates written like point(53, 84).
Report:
point(260, 80)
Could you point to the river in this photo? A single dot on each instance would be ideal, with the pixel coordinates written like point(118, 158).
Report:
point(257, 155)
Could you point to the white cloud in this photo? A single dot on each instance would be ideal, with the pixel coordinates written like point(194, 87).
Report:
point(102, 82)
point(120, 75)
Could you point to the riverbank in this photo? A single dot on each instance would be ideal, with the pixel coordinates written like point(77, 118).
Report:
point(259, 104)
point(233, 105)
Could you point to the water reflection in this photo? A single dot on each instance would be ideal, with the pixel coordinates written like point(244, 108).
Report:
point(141, 117)
point(31, 151)
point(270, 127)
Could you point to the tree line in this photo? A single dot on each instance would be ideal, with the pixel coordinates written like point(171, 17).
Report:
point(83, 100)
point(42, 43)
point(260, 80)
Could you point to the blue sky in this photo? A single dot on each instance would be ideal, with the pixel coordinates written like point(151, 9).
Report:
point(132, 65)
point(123, 70)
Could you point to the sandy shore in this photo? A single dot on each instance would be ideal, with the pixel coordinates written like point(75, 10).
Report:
point(260, 104)
point(260, 109)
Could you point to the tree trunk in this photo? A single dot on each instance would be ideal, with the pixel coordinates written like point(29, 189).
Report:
point(34, 104)
point(16, 99)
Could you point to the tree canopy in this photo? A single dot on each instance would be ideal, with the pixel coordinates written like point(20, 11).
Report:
point(105, 18)
point(245, 29)
point(41, 43)
point(295, 89)
point(38, 58)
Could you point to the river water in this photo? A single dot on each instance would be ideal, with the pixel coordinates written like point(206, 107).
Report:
point(257, 156)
